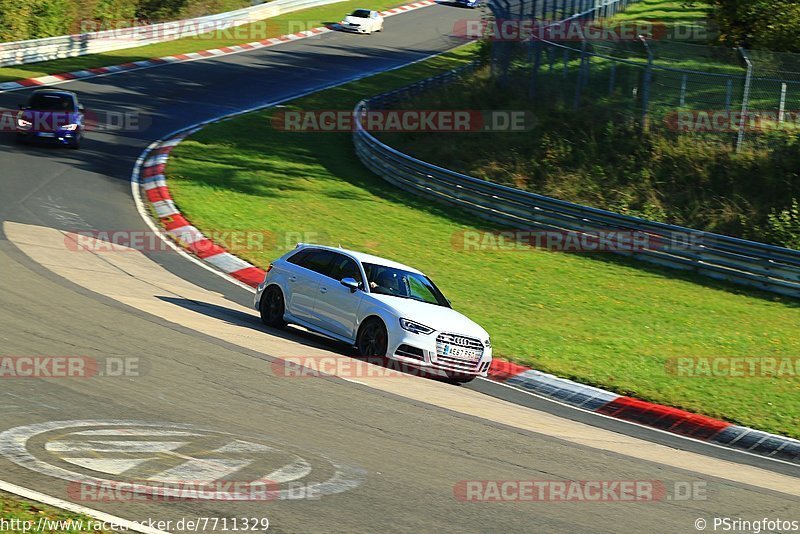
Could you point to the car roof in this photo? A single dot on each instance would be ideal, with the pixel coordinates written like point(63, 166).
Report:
point(362, 257)
point(54, 92)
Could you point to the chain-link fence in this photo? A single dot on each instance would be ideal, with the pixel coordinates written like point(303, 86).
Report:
point(566, 53)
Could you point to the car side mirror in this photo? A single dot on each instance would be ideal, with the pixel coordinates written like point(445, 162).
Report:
point(81, 108)
point(350, 283)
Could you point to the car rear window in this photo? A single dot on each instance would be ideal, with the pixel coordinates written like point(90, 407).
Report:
point(51, 102)
point(361, 13)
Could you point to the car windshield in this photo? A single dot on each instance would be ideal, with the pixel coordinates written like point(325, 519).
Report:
point(404, 284)
point(361, 13)
point(51, 102)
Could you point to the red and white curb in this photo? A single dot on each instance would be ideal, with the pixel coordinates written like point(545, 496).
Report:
point(66, 77)
point(191, 239)
point(589, 398)
point(150, 177)
point(664, 418)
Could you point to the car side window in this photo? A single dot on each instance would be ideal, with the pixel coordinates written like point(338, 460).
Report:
point(314, 259)
point(299, 257)
point(345, 267)
point(319, 261)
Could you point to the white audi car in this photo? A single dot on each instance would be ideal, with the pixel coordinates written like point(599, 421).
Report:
point(363, 21)
point(383, 308)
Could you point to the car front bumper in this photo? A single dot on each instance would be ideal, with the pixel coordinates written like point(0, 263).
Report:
point(61, 137)
point(431, 352)
point(354, 28)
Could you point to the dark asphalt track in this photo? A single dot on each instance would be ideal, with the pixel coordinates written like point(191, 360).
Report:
point(409, 454)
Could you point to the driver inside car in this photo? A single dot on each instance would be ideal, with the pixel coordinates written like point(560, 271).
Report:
point(384, 283)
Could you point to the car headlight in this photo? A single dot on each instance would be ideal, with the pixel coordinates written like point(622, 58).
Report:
point(415, 328)
point(70, 127)
point(488, 343)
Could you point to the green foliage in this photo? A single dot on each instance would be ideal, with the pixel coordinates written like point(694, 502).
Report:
point(14, 20)
point(161, 9)
point(763, 24)
point(112, 10)
point(50, 17)
point(784, 225)
point(35, 19)
point(599, 157)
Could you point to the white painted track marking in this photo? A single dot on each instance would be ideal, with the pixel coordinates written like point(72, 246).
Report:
point(76, 508)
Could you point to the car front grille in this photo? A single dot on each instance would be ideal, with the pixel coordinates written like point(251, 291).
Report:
point(455, 364)
point(457, 342)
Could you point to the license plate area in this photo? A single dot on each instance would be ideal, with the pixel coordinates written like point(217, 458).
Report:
point(461, 353)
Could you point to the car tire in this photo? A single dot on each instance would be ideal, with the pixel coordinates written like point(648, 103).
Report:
point(458, 378)
point(272, 307)
point(372, 339)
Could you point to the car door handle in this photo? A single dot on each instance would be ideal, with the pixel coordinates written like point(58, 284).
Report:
point(293, 279)
point(323, 290)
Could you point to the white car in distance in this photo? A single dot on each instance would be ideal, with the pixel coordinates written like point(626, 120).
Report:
point(363, 21)
point(383, 308)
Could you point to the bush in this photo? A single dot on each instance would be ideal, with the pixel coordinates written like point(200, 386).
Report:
point(764, 24)
point(600, 158)
point(35, 19)
point(784, 226)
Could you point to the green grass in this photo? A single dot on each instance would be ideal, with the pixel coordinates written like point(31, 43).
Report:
point(599, 156)
point(20, 511)
point(599, 319)
point(273, 27)
point(666, 11)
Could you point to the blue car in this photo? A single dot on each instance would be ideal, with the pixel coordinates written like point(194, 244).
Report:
point(472, 4)
point(51, 116)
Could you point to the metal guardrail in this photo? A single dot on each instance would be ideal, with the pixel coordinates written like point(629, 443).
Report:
point(766, 267)
point(661, 76)
point(31, 51)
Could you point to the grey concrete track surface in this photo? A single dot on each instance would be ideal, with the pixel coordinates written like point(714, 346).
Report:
point(410, 454)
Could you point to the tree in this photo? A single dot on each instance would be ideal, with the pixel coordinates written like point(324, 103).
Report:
point(764, 24)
